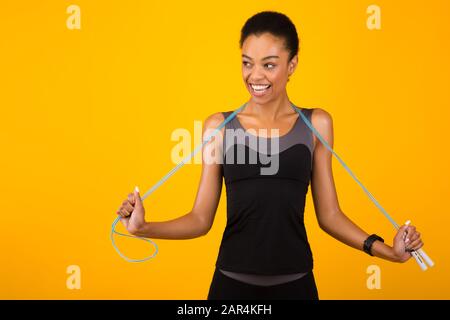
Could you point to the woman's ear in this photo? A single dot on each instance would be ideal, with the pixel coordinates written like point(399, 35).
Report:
point(293, 64)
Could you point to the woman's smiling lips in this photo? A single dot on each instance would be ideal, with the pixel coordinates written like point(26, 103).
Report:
point(259, 90)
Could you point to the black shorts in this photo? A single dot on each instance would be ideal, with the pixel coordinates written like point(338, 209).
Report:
point(226, 288)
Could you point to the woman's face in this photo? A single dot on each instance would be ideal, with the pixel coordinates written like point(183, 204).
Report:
point(265, 66)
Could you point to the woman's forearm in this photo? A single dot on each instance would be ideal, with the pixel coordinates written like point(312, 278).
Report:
point(185, 227)
point(340, 227)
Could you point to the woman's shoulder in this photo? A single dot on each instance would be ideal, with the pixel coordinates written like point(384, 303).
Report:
point(322, 121)
point(213, 121)
point(321, 117)
point(214, 118)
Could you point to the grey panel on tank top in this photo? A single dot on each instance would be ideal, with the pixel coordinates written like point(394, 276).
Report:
point(263, 280)
point(298, 134)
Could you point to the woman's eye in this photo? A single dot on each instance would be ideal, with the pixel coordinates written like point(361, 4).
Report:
point(267, 65)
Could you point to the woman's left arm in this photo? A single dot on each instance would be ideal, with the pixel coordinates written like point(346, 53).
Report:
point(330, 216)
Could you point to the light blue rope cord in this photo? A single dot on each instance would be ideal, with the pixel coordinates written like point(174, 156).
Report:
point(113, 231)
point(159, 183)
point(346, 167)
point(196, 150)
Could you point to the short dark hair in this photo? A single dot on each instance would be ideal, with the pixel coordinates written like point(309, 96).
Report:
point(275, 23)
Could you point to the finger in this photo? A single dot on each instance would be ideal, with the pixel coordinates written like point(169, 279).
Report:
point(408, 233)
point(124, 212)
point(410, 230)
point(128, 206)
point(119, 211)
point(414, 237)
point(414, 244)
point(420, 245)
point(131, 198)
point(401, 233)
point(137, 197)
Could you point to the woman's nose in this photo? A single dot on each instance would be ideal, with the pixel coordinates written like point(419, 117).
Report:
point(256, 76)
point(257, 73)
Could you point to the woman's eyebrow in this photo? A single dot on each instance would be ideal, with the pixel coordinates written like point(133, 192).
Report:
point(265, 58)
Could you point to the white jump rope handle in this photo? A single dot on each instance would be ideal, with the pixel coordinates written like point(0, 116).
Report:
point(419, 260)
point(426, 257)
point(420, 256)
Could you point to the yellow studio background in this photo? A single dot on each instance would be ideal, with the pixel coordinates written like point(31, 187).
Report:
point(88, 113)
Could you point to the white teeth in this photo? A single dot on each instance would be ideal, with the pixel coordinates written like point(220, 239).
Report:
point(258, 87)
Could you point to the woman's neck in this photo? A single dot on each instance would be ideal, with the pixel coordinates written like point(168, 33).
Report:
point(269, 111)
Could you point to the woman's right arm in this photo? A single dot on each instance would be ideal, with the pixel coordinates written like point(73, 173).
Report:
point(200, 219)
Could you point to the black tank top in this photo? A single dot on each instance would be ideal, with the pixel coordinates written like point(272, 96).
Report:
point(265, 232)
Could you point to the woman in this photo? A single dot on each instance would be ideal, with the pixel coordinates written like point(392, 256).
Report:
point(265, 252)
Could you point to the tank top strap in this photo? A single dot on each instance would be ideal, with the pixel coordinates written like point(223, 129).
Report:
point(232, 123)
point(302, 133)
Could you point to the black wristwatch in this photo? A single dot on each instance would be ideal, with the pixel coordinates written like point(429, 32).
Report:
point(369, 242)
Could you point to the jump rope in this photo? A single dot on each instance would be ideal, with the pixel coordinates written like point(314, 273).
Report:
point(420, 256)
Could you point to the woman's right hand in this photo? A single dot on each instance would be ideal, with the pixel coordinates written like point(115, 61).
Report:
point(132, 212)
point(406, 240)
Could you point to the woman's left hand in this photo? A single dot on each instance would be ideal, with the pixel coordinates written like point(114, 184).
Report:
point(406, 240)
point(132, 212)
